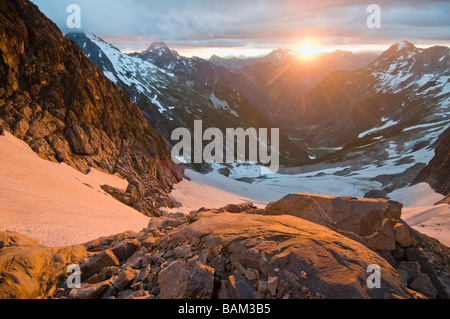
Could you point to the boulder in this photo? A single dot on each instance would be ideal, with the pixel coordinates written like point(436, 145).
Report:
point(126, 248)
point(403, 235)
point(183, 251)
point(90, 291)
point(424, 285)
point(240, 288)
point(95, 264)
point(29, 271)
point(368, 221)
point(334, 266)
point(124, 280)
point(272, 283)
point(191, 280)
point(225, 171)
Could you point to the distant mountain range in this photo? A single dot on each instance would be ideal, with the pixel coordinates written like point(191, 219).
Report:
point(173, 91)
point(405, 86)
point(360, 110)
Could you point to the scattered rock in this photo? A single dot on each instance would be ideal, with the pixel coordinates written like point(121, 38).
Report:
point(248, 256)
point(424, 285)
point(403, 235)
point(218, 264)
point(403, 276)
point(398, 253)
point(192, 280)
point(238, 268)
point(183, 251)
point(96, 263)
point(136, 260)
point(2, 132)
point(125, 249)
point(251, 275)
point(216, 250)
point(263, 286)
point(144, 274)
point(272, 283)
point(240, 288)
point(90, 291)
point(225, 171)
point(412, 269)
point(95, 279)
point(124, 280)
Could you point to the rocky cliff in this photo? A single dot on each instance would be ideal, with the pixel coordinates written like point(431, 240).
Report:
point(437, 173)
point(62, 105)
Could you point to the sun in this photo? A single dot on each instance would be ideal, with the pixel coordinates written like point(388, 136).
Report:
point(307, 50)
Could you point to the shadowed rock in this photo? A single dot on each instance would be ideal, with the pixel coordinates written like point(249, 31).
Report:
point(192, 280)
point(368, 221)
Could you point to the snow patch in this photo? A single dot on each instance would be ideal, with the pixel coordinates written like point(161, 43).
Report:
point(385, 126)
point(56, 204)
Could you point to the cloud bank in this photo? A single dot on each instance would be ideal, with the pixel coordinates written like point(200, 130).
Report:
point(133, 24)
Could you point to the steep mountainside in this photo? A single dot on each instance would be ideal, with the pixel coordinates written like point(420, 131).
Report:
point(62, 105)
point(405, 86)
point(437, 173)
point(277, 83)
point(381, 122)
point(274, 84)
point(173, 91)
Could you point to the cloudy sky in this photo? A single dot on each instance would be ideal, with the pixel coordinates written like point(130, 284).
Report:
point(204, 27)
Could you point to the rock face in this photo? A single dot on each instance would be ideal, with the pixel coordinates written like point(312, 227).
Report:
point(414, 255)
point(29, 271)
point(61, 104)
point(438, 170)
point(368, 221)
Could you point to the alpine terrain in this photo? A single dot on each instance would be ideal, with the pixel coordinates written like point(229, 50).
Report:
point(93, 206)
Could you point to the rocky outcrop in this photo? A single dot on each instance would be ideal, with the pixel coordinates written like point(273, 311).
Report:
point(422, 262)
point(30, 271)
point(376, 223)
point(246, 255)
point(218, 254)
point(61, 104)
point(368, 221)
point(438, 170)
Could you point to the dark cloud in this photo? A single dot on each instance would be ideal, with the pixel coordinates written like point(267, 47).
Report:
point(255, 23)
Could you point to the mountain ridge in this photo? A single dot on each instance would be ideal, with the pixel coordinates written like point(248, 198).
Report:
point(173, 91)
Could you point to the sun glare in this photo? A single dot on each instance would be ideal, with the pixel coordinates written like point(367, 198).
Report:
point(307, 50)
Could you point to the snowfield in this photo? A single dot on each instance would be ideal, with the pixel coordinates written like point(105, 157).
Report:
point(59, 206)
point(215, 191)
point(56, 204)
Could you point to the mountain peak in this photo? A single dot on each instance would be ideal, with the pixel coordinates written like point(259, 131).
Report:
point(402, 48)
point(405, 45)
point(215, 57)
point(157, 46)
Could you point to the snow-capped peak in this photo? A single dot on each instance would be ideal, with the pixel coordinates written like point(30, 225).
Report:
point(405, 45)
point(157, 46)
